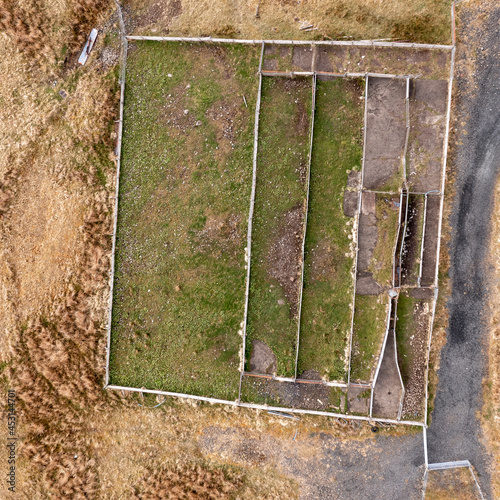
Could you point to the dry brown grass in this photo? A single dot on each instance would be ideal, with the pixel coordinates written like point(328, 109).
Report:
point(41, 28)
point(187, 481)
point(427, 21)
point(451, 484)
point(55, 224)
point(442, 314)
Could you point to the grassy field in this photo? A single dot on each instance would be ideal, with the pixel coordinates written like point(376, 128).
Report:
point(278, 221)
point(328, 283)
point(387, 214)
point(370, 322)
point(405, 327)
point(184, 199)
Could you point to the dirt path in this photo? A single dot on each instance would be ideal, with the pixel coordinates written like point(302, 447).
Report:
point(455, 432)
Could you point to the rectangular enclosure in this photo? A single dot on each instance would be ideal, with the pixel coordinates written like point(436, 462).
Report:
point(412, 245)
point(278, 213)
point(412, 338)
point(377, 232)
point(427, 129)
point(185, 184)
point(305, 395)
point(329, 249)
point(278, 224)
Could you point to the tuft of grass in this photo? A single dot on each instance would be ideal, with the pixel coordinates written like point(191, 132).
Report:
point(280, 189)
point(184, 193)
point(200, 480)
point(328, 284)
point(455, 483)
point(387, 215)
point(405, 326)
point(370, 322)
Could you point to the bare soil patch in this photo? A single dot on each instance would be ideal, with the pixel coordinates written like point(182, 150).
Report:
point(322, 261)
point(262, 359)
point(385, 134)
point(284, 260)
point(302, 58)
point(350, 203)
point(427, 127)
point(277, 58)
point(396, 61)
point(220, 236)
point(367, 239)
point(387, 390)
point(358, 400)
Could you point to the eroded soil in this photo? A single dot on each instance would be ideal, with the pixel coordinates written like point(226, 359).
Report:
point(284, 260)
point(414, 368)
point(385, 134)
point(427, 128)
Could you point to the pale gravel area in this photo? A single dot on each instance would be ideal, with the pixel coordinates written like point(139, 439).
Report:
point(384, 467)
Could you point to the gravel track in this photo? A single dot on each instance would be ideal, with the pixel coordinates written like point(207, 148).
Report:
point(455, 432)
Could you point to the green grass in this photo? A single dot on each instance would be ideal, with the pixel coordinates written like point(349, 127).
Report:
point(283, 152)
point(405, 328)
point(415, 230)
point(182, 221)
point(328, 283)
point(387, 216)
point(370, 322)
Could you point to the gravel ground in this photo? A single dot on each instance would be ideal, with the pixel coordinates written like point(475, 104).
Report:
point(455, 432)
point(383, 467)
